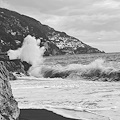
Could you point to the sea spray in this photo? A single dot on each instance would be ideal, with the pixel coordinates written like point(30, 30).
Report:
point(33, 54)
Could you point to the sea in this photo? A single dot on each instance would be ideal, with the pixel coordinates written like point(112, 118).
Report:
point(84, 87)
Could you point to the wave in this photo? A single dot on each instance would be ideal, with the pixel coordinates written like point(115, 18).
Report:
point(98, 70)
point(77, 113)
point(31, 53)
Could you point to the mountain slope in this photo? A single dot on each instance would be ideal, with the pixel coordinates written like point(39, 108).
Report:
point(14, 27)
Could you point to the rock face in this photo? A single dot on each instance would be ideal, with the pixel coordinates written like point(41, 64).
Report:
point(12, 65)
point(8, 106)
point(14, 27)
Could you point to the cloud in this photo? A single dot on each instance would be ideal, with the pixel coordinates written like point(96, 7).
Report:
point(95, 22)
point(4, 4)
point(100, 36)
point(107, 4)
point(92, 21)
point(113, 46)
point(44, 6)
point(107, 41)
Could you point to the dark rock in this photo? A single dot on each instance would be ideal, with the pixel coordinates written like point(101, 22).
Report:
point(8, 106)
point(12, 77)
point(51, 49)
point(26, 66)
point(14, 66)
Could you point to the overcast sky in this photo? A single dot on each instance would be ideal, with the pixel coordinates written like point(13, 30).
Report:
point(95, 22)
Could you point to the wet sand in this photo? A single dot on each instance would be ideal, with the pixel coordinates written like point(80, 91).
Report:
point(40, 114)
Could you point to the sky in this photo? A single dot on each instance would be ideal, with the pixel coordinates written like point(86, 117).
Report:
point(94, 22)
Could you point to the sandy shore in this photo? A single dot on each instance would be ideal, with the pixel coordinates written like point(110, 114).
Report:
point(82, 99)
point(40, 114)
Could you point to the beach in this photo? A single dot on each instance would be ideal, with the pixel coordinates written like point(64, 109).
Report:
point(85, 100)
point(73, 97)
point(40, 114)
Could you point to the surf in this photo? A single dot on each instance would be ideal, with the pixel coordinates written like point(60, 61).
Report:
point(32, 53)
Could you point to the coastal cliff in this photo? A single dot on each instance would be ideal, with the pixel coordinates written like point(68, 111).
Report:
point(8, 105)
point(14, 27)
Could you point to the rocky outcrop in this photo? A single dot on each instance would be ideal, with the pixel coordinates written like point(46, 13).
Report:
point(13, 66)
point(8, 106)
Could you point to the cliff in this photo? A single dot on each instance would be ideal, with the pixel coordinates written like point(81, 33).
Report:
point(8, 106)
point(14, 27)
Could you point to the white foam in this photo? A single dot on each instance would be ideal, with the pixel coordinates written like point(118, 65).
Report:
point(31, 53)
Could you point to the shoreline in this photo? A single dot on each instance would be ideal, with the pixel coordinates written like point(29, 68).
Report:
point(40, 114)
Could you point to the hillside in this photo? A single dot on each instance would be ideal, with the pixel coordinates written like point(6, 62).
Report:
point(14, 27)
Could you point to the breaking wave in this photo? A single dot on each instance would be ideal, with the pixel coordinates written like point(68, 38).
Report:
point(31, 53)
point(99, 70)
